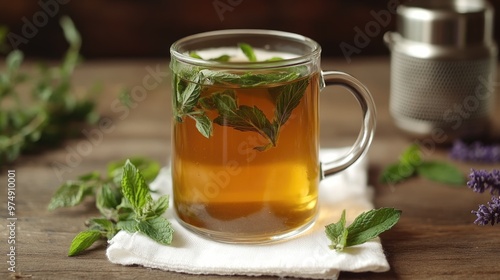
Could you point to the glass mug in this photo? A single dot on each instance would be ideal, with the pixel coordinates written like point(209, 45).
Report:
point(245, 133)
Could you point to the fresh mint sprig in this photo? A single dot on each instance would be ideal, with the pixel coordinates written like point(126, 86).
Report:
point(147, 213)
point(365, 227)
point(412, 164)
point(124, 200)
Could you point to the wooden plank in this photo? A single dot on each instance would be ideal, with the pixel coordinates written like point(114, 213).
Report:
point(435, 237)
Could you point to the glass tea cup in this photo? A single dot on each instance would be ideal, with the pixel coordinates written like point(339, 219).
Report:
point(245, 133)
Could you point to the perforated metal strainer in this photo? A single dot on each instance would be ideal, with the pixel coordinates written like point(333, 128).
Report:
point(443, 62)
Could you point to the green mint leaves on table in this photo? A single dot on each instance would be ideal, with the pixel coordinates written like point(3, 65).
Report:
point(124, 200)
point(50, 113)
point(365, 227)
point(412, 164)
point(188, 101)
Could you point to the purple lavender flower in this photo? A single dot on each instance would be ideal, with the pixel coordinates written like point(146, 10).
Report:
point(476, 151)
point(479, 180)
point(488, 214)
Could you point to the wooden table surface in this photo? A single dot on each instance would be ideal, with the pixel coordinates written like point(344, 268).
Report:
point(435, 238)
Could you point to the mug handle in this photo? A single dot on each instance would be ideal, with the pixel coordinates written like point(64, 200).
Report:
point(365, 136)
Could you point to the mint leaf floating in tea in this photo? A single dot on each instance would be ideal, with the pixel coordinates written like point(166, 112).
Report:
point(365, 227)
point(242, 118)
point(195, 55)
point(288, 99)
point(188, 94)
point(248, 51)
point(190, 85)
point(203, 124)
point(222, 58)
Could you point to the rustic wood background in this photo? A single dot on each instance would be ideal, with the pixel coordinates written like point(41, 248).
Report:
point(147, 28)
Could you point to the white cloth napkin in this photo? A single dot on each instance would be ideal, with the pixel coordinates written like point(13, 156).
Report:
point(305, 256)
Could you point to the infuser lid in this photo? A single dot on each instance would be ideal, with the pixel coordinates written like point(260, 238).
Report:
point(446, 22)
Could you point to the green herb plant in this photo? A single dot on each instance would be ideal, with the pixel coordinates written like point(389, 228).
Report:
point(411, 164)
point(49, 114)
point(188, 101)
point(123, 199)
point(365, 227)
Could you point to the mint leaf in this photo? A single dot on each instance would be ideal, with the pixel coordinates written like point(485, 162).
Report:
point(134, 187)
point(224, 102)
point(222, 58)
point(411, 156)
point(70, 194)
point(247, 118)
point(411, 164)
point(289, 99)
point(370, 224)
point(129, 225)
point(441, 172)
point(242, 118)
point(159, 206)
point(13, 62)
point(195, 55)
point(396, 173)
point(70, 32)
point(274, 58)
point(148, 168)
point(250, 79)
point(83, 240)
point(337, 233)
point(92, 176)
point(107, 200)
point(103, 225)
point(365, 227)
point(248, 51)
point(203, 124)
point(187, 95)
point(159, 229)
point(107, 197)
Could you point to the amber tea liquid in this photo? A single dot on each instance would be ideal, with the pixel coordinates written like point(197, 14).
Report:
point(228, 185)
